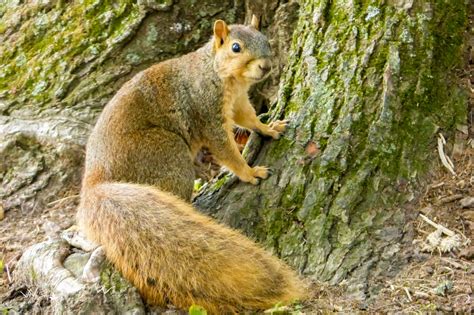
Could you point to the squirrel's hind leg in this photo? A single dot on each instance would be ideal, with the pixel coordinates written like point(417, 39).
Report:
point(156, 157)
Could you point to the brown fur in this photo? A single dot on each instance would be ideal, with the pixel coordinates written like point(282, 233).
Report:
point(139, 167)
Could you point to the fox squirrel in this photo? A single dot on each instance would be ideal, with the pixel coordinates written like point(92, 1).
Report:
point(139, 173)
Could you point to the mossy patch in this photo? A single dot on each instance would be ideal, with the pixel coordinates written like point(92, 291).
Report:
point(112, 280)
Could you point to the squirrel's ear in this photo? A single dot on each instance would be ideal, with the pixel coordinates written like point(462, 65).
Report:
point(220, 33)
point(255, 22)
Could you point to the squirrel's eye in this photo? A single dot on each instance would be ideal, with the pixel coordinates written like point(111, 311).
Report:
point(236, 47)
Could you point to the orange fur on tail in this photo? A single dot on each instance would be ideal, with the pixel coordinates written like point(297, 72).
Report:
point(180, 256)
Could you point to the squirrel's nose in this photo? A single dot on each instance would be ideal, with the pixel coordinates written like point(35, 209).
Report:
point(265, 67)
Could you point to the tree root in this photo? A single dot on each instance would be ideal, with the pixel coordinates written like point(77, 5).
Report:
point(75, 281)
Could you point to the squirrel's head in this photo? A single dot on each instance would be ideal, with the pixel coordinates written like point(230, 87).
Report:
point(241, 52)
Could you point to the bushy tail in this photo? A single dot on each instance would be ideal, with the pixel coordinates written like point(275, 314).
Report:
point(172, 253)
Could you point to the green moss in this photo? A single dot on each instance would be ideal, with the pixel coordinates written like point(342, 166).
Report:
point(70, 47)
point(197, 310)
point(57, 41)
point(33, 275)
point(220, 182)
point(112, 280)
point(281, 147)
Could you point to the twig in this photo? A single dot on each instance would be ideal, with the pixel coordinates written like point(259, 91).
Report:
point(422, 232)
point(437, 185)
point(408, 294)
point(421, 294)
point(444, 159)
point(8, 273)
point(450, 198)
point(453, 263)
point(62, 199)
point(438, 226)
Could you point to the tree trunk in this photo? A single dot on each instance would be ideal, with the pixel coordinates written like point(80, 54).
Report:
point(368, 86)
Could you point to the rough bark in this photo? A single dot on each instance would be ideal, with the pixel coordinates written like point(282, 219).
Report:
point(368, 85)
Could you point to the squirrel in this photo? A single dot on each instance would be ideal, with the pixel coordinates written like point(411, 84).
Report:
point(139, 175)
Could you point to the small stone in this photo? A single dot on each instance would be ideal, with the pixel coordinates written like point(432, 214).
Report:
point(461, 184)
point(467, 253)
point(468, 215)
point(467, 202)
point(2, 212)
point(429, 270)
point(445, 308)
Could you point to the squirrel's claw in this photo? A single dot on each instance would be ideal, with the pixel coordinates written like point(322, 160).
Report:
point(278, 127)
point(261, 172)
point(255, 174)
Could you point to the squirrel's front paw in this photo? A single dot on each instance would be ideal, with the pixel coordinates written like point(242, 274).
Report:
point(255, 173)
point(277, 127)
point(261, 172)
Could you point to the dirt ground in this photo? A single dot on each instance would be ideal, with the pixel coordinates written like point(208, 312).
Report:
point(20, 229)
